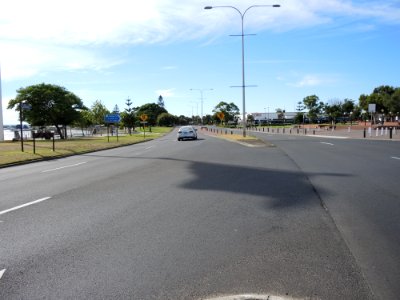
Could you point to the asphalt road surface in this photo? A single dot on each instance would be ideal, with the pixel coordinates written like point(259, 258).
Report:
point(198, 219)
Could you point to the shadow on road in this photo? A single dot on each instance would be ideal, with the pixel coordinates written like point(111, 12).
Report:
point(284, 188)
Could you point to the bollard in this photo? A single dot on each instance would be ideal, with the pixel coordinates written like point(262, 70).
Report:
point(297, 131)
point(377, 131)
point(54, 146)
point(305, 131)
point(34, 145)
point(369, 131)
point(263, 129)
point(391, 132)
point(365, 133)
point(313, 132)
point(283, 130)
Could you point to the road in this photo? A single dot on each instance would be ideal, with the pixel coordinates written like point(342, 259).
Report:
point(358, 182)
point(195, 219)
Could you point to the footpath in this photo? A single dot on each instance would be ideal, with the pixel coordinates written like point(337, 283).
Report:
point(342, 132)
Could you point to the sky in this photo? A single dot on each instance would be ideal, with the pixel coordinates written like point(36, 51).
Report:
point(115, 50)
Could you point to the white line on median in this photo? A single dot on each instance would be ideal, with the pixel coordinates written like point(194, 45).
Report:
point(24, 205)
point(394, 157)
point(69, 166)
point(325, 143)
point(2, 272)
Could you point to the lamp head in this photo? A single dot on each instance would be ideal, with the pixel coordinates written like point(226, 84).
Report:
point(208, 7)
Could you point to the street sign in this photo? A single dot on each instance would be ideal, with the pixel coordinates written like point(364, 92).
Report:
point(112, 118)
point(143, 117)
point(371, 108)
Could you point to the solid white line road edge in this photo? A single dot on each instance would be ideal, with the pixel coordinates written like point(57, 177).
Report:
point(24, 205)
point(394, 157)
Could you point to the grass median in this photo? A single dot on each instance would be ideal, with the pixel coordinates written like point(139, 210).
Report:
point(10, 152)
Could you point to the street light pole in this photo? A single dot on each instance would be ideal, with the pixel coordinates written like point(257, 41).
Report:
point(242, 35)
point(201, 98)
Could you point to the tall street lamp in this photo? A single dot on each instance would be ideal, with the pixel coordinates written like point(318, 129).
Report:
point(201, 98)
point(242, 35)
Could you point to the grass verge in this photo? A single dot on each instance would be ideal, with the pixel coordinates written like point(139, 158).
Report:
point(10, 152)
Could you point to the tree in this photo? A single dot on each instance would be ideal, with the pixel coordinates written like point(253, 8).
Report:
point(230, 110)
point(161, 102)
point(128, 116)
point(334, 110)
point(250, 119)
point(300, 107)
point(99, 111)
point(385, 97)
point(152, 110)
point(85, 120)
point(49, 105)
point(166, 119)
point(183, 120)
point(314, 106)
point(207, 119)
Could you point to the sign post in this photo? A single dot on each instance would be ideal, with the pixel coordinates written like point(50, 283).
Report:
point(371, 109)
point(111, 118)
point(144, 118)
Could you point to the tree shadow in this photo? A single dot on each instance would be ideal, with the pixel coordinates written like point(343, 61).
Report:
point(285, 188)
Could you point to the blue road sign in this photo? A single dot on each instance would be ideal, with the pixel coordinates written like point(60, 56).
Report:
point(112, 118)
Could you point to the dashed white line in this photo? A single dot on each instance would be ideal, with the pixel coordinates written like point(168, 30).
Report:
point(325, 143)
point(394, 157)
point(63, 167)
point(24, 205)
point(148, 148)
point(2, 273)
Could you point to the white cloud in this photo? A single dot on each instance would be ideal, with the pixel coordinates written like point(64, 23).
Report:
point(313, 80)
point(309, 80)
point(41, 35)
point(165, 93)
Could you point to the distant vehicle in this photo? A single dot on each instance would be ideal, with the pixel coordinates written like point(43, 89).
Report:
point(187, 132)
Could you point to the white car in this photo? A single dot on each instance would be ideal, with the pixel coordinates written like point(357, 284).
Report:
point(187, 132)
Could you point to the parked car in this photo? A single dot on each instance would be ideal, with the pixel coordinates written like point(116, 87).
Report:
point(187, 132)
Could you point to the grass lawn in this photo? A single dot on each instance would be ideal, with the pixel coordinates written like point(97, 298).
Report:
point(10, 152)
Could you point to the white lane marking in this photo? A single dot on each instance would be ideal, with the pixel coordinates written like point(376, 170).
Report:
point(148, 148)
point(394, 157)
point(24, 205)
point(69, 166)
point(325, 143)
point(2, 272)
point(328, 136)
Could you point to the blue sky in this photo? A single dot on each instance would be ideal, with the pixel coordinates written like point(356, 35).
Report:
point(112, 50)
